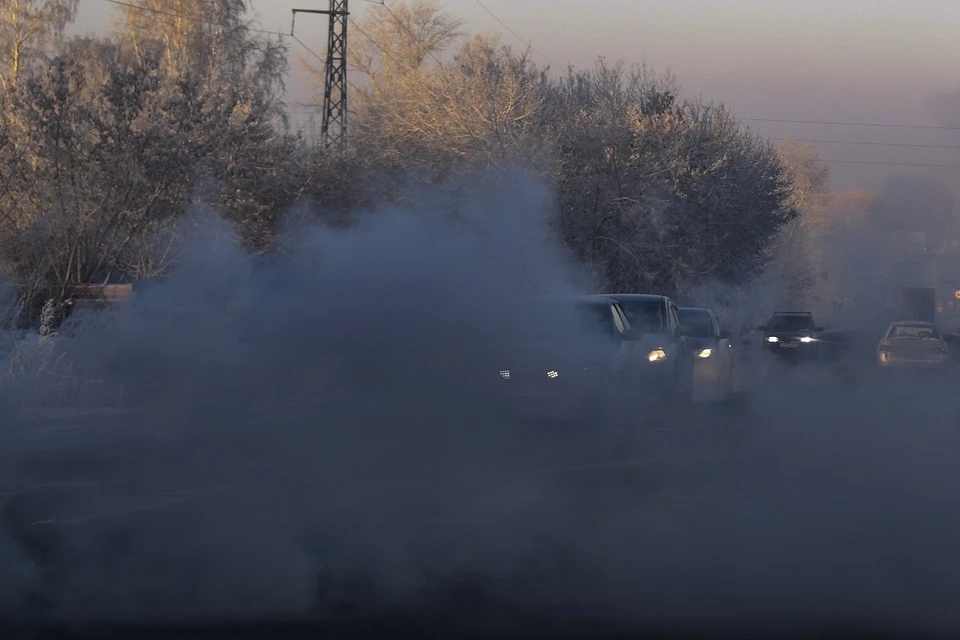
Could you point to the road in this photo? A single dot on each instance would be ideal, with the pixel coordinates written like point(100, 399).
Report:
point(824, 491)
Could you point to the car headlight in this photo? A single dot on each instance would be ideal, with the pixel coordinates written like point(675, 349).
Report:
point(552, 374)
point(505, 374)
point(773, 339)
point(704, 353)
point(657, 355)
point(807, 339)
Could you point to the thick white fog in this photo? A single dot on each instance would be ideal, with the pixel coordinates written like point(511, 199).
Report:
point(316, 429)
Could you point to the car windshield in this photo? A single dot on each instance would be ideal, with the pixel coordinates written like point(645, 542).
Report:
point(913, 332)
point(560, 320)
point(643, 315)
point(700, 323)
point(798, 322)
point(595, 319)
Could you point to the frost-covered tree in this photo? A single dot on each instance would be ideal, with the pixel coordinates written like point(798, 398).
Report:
point(103, 149)
point(484, 107)
point(114, 149)
point(110, 151)
point(393, 43)
point(658, 194)
point(210, 38)
point(602, 214)
point(801, 265)
point(395, 38)
point(26, 30)
point(49, 318)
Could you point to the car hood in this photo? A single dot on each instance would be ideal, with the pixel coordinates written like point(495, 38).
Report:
point(539, 357)
point(653, 340)
point(701, 342)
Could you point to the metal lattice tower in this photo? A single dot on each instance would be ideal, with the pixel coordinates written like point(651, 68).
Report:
point(333, 126)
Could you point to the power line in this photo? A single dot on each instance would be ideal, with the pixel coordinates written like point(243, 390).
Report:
point(379, 46)
point(317, 56)
point(180, 16)
point(870, 144)
point(879, 144)
point(386, 53)
point(504, 25)
point(893, 164)
point(856, 124)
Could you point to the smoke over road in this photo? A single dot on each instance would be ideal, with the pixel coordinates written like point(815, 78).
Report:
point(308, 433)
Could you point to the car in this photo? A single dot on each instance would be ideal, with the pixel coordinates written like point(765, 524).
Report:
point(666, 370)
point(912, 343)
point(712, 353)
point(792, 334)
point(567, 358)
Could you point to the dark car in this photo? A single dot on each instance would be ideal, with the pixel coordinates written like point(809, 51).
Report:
point(792, 334)
point(567, 356)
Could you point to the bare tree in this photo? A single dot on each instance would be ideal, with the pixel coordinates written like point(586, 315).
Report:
point(603, 213)
point(109, 163)
point(211, 38)
point(658, 194)
point(26, 28)
point(114, 149)
point(393, 42)
point(398, 37)
point(103, 150)
point(482, 108)
point(801, 260)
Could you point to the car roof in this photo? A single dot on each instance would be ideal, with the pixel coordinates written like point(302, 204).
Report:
point(912, 323)
point(578, 297)
point(703, 309)
point(792, 313)
point(635, 297)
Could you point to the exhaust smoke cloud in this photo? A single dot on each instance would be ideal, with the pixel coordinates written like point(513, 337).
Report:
point(312, 430)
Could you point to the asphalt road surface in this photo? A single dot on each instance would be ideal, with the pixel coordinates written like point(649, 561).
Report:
point(823, 494)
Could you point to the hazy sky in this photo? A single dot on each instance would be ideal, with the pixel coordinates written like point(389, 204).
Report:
point(857, 61)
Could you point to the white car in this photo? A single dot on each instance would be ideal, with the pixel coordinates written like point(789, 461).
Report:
point(662, 367)
point(712, 351)
point(912, 343)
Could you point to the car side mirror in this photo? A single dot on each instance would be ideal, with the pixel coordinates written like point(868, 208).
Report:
point(725, 335)
point(683, 331)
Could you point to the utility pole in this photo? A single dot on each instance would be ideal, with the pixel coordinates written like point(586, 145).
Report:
point(333, 125)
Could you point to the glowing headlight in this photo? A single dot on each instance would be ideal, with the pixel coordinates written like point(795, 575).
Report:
point(505, 374)
point(552, 374)
point(773, 339)
point(807, 339)
point(705, 353)
point(656, 355)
